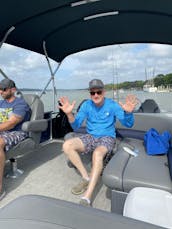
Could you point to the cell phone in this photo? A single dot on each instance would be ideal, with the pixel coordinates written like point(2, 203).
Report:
point(59, 103)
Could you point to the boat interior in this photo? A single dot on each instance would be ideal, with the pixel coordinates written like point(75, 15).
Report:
point(37, 175)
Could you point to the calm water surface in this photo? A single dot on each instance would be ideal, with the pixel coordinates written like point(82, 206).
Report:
point(163, 99)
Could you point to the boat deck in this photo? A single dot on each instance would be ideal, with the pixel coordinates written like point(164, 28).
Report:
point(46, 173)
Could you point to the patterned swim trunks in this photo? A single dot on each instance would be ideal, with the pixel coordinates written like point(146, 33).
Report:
point(12, 138)
point(91, 142)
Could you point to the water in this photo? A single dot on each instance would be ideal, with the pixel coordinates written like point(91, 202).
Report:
point(163, 99)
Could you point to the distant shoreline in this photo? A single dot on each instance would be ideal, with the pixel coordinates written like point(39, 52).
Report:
point(33, 89)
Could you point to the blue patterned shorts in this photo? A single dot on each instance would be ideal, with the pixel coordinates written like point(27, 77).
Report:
point(12, 138)
point(91, 143)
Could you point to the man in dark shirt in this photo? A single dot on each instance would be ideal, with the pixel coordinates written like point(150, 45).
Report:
point(13, 112)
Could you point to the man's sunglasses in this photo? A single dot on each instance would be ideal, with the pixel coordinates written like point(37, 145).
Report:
point(3, 89)
point(95, 92)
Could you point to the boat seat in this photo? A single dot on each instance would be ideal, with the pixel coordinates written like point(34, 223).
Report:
point(125, 172)
point(39, 212)
point(149, 205)
point(149, 106)
point(34, 127)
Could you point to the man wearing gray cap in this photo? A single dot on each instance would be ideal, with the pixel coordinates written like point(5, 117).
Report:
point(100, 114)
point(13, 112)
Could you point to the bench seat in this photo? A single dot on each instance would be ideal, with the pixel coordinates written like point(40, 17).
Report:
point(125, 172)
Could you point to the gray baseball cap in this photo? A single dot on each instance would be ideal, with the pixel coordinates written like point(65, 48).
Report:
point(7, 83)
point(96, 83)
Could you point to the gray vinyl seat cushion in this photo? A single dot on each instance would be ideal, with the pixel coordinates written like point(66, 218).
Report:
point(38, 212)
point(34, 127)
point(125, 172)
point(149, 106)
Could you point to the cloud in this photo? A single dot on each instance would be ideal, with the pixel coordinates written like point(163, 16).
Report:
point(158, 50)
point(111, 63)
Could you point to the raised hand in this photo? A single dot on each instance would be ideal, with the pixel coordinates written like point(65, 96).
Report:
point(130, 103)
point(66, 106)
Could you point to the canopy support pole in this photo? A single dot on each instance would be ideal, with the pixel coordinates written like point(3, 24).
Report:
point(53, 84)
point(6, 77)
point(52, 76)
point(1, 43)
point(6, 35)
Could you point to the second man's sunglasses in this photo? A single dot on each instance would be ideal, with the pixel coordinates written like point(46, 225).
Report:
point(95, 92)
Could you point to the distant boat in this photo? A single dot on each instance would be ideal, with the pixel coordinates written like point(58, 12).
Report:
point(149, 88)
point(121, 90)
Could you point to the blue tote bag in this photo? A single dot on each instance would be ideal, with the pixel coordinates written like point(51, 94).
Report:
point(156, 143)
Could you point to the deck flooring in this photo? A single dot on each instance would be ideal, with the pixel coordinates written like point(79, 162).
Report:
point(46, 173)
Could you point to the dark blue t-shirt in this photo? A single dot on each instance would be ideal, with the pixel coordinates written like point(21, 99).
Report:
point(17, 107)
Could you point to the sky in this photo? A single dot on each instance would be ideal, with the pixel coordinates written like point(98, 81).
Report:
point(118, 63)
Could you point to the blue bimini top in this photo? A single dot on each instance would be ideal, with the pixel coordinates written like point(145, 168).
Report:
point(100, 121)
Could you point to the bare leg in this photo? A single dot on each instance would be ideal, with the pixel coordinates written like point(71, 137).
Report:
point(97, 166)
point(72, 148)
point(2, 161)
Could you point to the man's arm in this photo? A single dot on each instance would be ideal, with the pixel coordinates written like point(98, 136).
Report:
point(10, 123)
point(67, 108)
point(130, 103)
point(126, 117)
point(71, 117)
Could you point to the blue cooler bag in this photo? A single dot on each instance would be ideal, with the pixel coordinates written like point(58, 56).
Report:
point(156, 143)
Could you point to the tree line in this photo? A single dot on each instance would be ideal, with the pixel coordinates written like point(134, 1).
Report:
point(159, 80)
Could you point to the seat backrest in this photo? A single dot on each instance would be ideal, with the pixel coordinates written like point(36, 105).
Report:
point(36, 106)
point(149, 106)
point(81, 104)
point(37, 112)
